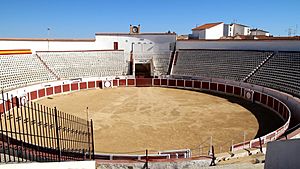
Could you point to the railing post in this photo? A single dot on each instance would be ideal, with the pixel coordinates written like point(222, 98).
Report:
point(93, 144)
point(12, 129)
point(213, 157)
point(6, 130)
point(260, 145)
point(88, 132)
point(147, 160)
point(2, 135)
point(57, 134)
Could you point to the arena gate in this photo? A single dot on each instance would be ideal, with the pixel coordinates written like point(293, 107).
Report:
point(143, 82)
point(142, 70)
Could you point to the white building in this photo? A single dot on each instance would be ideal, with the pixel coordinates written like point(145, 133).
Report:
point(144, 42)
point(259, 32)
point(235, 29)
point(208, 31)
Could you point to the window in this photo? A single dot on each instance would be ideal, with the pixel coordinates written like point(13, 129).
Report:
point(116, 46)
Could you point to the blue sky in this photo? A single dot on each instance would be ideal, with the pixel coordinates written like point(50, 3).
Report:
point(82, 18)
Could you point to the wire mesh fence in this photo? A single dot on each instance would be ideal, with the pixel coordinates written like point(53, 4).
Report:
point(33, 132)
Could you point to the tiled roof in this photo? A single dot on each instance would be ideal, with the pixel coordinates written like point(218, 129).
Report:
point(207, 26)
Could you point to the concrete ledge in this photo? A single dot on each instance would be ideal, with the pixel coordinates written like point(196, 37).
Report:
point(52, 165)
point(191, 164)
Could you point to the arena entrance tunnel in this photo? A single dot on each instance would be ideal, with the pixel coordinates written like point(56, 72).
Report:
point(142, 70)
point(255, 94)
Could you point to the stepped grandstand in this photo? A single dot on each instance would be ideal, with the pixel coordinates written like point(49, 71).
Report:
point(278, 70)
point(266, 77)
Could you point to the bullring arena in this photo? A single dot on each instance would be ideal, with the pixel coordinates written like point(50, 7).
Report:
point(143, 118)
point(146, 99)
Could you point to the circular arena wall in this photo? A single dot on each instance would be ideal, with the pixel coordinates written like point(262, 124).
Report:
point(271, 99)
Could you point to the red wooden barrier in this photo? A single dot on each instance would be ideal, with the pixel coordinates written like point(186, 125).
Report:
point(49, 91)
point(57, 89)
point(41, 93)
point(83, 85)
point(66, 88)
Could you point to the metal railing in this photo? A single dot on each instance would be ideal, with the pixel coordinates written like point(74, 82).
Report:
point(33, 132)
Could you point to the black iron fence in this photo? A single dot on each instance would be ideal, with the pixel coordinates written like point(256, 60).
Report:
point(33, 132)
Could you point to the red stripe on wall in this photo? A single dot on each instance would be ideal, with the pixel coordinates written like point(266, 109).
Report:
point(1, 108)
point(221, 87)
point(229, 89)
point(122, 82)
point(205, 85)
point(66, 88)
point(33, 95)
point(115, 82)
point(213, 86)
point(74, 86)
point(157, 82)
point(130, 82)
point(99, 84)
point(188, 83)
point(49, 91)
point(57, 89)
point(164, 82)
point(91, 84)
point(41, 93)
point(197, 84)
point(172, 82)
point(83, 85)
point(180, 83)
point(237, 91)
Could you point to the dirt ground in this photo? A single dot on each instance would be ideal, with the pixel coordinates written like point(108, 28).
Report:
point(130, 120)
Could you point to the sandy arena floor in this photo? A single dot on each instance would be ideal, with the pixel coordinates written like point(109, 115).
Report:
point(134, 119)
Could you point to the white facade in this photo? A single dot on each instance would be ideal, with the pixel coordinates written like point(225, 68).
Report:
point(198, 34)
point(236, 29)
point(258, 32)
point(214, 32)
point(144, 42)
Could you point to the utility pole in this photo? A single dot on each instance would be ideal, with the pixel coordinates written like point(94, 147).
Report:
point(48, 33)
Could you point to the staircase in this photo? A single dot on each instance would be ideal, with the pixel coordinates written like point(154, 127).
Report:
point(171, 60)
point(259, 66)
point(47, 67)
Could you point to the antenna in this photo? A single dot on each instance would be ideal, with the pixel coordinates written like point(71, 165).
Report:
point(289, 31)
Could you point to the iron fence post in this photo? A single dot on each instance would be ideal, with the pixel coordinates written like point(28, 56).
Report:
point(93, 144)
point(57, 135)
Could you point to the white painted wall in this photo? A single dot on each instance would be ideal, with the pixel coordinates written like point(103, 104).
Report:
point(143, 42)
point(140, 42)
point(42, 45)
point(215, 32)
point(258, 32)
point(274, 45)
point(52, 165)
point(247, 31)
point(241, 30)
point(198, 34)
